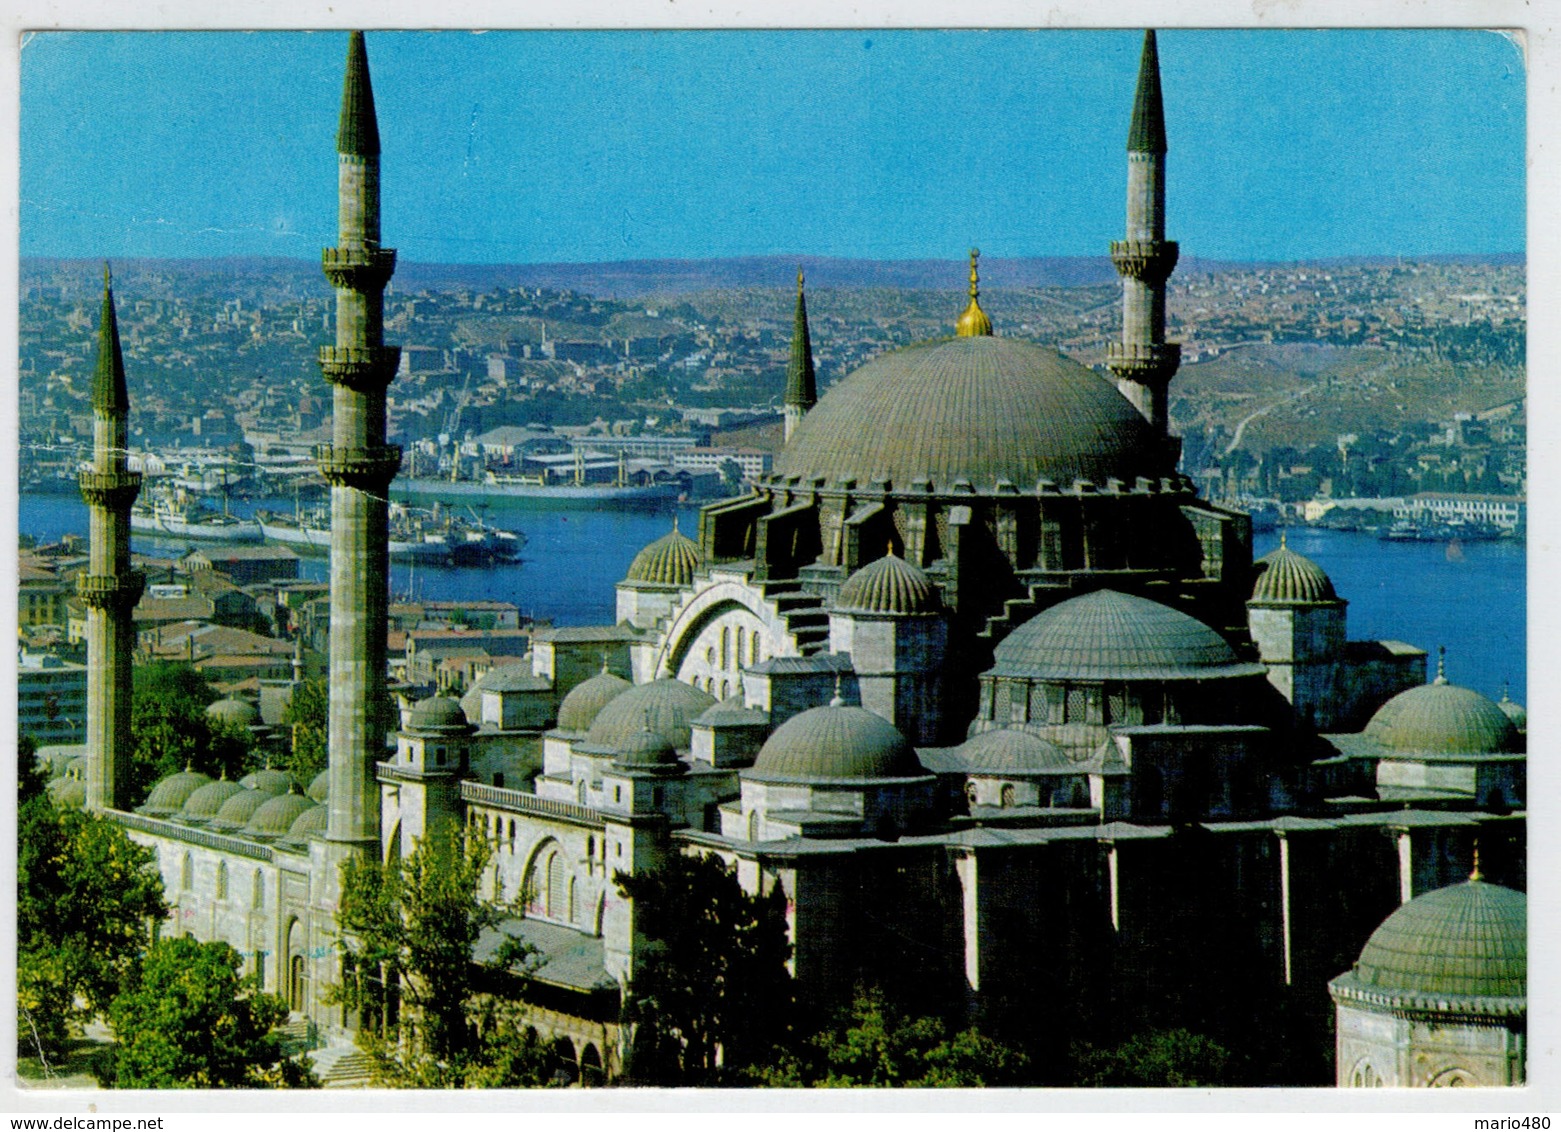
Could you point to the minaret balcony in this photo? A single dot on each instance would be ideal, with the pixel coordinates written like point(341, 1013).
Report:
point(115, 490)
point(358, 267)
point(363, 369)
point(1148, 261)
point(111, 591)
point(368, 469)
point(1145, 363)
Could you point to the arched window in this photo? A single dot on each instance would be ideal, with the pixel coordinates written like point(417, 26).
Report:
point(725, 644)
point(187, 874)
point(257, 892)
point(222, 880)
point(738, 655)
point(555, 885)
point(753, 648)
point(1006, 795)
point(972, 795)
point(535, 889)
point(726, 690)
point(753, 825)
point(569, 912)
point(591, 1067)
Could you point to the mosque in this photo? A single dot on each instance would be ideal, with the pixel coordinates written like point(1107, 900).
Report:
point(1006, 711)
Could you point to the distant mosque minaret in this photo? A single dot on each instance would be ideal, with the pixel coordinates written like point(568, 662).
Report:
point(801, 384)
point(359, 466)
point(109, 588)
point(1144, 361)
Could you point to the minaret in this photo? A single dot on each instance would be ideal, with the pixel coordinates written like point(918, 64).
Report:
point(1144, 361)
point(110, 588)
point(359, 466)
point(801, 388)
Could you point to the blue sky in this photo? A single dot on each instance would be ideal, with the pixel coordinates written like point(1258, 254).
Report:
point(515, 147)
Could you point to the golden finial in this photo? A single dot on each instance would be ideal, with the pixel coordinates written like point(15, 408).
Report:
point(1441, 665)
point(1476, 874)
point(974, 323)
point(1283, 545)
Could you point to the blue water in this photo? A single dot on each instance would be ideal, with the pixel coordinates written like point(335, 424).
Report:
point(1407, 591)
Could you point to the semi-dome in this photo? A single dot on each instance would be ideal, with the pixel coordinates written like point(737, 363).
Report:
point(1288, 578)
point(172, 792)
point(666, 706)
point(238, 713)
point(276, 815)
point(1107, 635)
point(1443, 718)
point(648, 752)
point(835, 742)
point(1007, 752)
point(981, 409)
point(439, 715)
point(669, 561)
point(586, 699)
point(238, 809)
point(1464, 947)
point(320, 787)
point(889, 585)
point(268, 781)
point(207, 801)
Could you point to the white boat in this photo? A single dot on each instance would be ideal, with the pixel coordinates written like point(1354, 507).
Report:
point(415, 536)
point(177, 516)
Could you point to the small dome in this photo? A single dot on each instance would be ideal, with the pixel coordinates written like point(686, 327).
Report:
point(276, 815)
point(1009, 752)
point(649, 752)
point(669, 561)
point(1461, 947)
point(238, 809)
point(69, 793)
point(208, 800)
point(439, 714)
point(1442, 718)
point(586, 700)
point(1289, 578)
point(237, 712)
point(309, 821)
point(1513, 711)
point(320, 787)
point(888, 585)
point(170, 794)
point(835, 742)
point(268, 781)
point(1114, 636)
point(666, 706)
point(75, 767)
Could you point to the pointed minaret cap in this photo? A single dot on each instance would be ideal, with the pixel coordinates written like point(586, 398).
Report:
point(974, 323)
point(801, 385)
point(358, 133)
point(1147, 133)
point(109, 394)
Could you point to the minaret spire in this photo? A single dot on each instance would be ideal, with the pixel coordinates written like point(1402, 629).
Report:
point(359, 466)
point(1144, 361)
point(801, 387)
point(109, 588)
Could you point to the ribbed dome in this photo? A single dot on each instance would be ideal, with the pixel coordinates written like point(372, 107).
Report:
point(170, 795)
point(1441, 718)
point(585, 700)
point(320, 787)
point(68, 793)
point(438, 714)
point(1513, 711)
point(666, 706)
point(835, 742)
point(233, 711)
point(238, 809)
point(1008, 752)
point(268, 781)
point(976, 408)
point(312, 820)
point(207, 801)
point(888, 585)
point(1461, 947)
point(649, 752)
point(1114, 636)
point(1291, 578)
point(276, 815)
point(669, 561)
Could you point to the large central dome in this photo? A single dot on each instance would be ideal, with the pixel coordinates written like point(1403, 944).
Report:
point(980, 409)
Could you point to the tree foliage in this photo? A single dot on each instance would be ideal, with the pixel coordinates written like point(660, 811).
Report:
point(169, 729)
point(712, 995)
point(86, 898)
point(877, 1046)
point(1157, 1059)
point(308, 718)
point(191, 1022)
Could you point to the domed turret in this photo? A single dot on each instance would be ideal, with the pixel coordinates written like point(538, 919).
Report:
point(668, 707)
point(207, 801)
point(268, 781)
point(1513, 711)
point(832, 743)
point(310, 821)
point(1288, 578)
point(1010, 753)
point(276, 815)
point(1443, 718)
point(233, 711)
point(438, 715)
point(671, 560)
point(171, 793)
point(889, 585)
point(648, 753)
point(237, 810)
point(585, 700)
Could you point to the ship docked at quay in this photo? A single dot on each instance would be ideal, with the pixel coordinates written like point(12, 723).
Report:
point(437, 537)
point(496, 487)
point(176, 515)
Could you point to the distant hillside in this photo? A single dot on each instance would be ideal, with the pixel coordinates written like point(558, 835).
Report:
point(676, 276)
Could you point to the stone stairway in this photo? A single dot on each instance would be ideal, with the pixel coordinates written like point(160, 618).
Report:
point(342, 1067)
point(1016, 611)
point(805, 615)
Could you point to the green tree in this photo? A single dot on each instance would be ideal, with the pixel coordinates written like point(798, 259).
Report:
point(711, 995)
point(192, 1022)
point(86, 898)
point(169, 729)
point(877, 1046)
point(308, 717)
point(1157, 1059)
